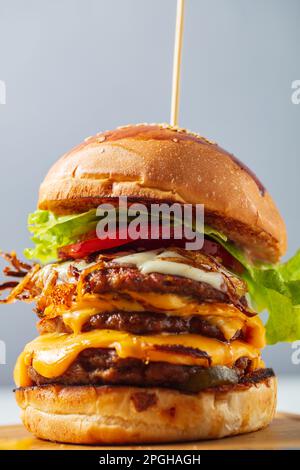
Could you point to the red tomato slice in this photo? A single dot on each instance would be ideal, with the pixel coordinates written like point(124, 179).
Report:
point(93, 244)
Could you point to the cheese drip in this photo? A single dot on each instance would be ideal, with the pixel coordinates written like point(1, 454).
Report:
point(52, 354)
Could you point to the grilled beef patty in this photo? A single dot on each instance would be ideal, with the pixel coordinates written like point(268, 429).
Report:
point(140, 323)
point(116, 279)
point(104, 367)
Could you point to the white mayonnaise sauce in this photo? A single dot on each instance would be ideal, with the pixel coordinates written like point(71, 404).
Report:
point(152, 262)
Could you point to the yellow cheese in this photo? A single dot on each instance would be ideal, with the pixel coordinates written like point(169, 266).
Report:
point(51, 354)
point(148, 301)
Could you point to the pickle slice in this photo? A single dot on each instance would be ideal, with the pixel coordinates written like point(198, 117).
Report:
point(210, 377)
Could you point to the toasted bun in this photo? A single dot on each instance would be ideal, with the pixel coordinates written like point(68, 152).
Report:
point(120, 415)
point(162, 163)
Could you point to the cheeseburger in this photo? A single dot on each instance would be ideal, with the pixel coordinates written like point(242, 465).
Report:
point(151, 340)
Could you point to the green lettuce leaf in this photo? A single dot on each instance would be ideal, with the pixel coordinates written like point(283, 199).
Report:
point(275, 288)
point(51, 232)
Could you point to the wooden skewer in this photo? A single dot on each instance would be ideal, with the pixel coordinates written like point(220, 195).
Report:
point(177, 62)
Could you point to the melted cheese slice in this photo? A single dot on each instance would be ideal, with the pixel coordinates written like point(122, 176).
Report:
point(52, 354)
point(226, 317)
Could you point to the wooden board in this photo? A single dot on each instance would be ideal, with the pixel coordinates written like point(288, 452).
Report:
point(283, 433)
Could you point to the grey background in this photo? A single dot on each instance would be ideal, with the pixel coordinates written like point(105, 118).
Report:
point(75, 67)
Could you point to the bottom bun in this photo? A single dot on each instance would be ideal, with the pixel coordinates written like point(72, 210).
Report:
point(119, 415)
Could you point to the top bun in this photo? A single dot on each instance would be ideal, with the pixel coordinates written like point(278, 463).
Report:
point(152, 162)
